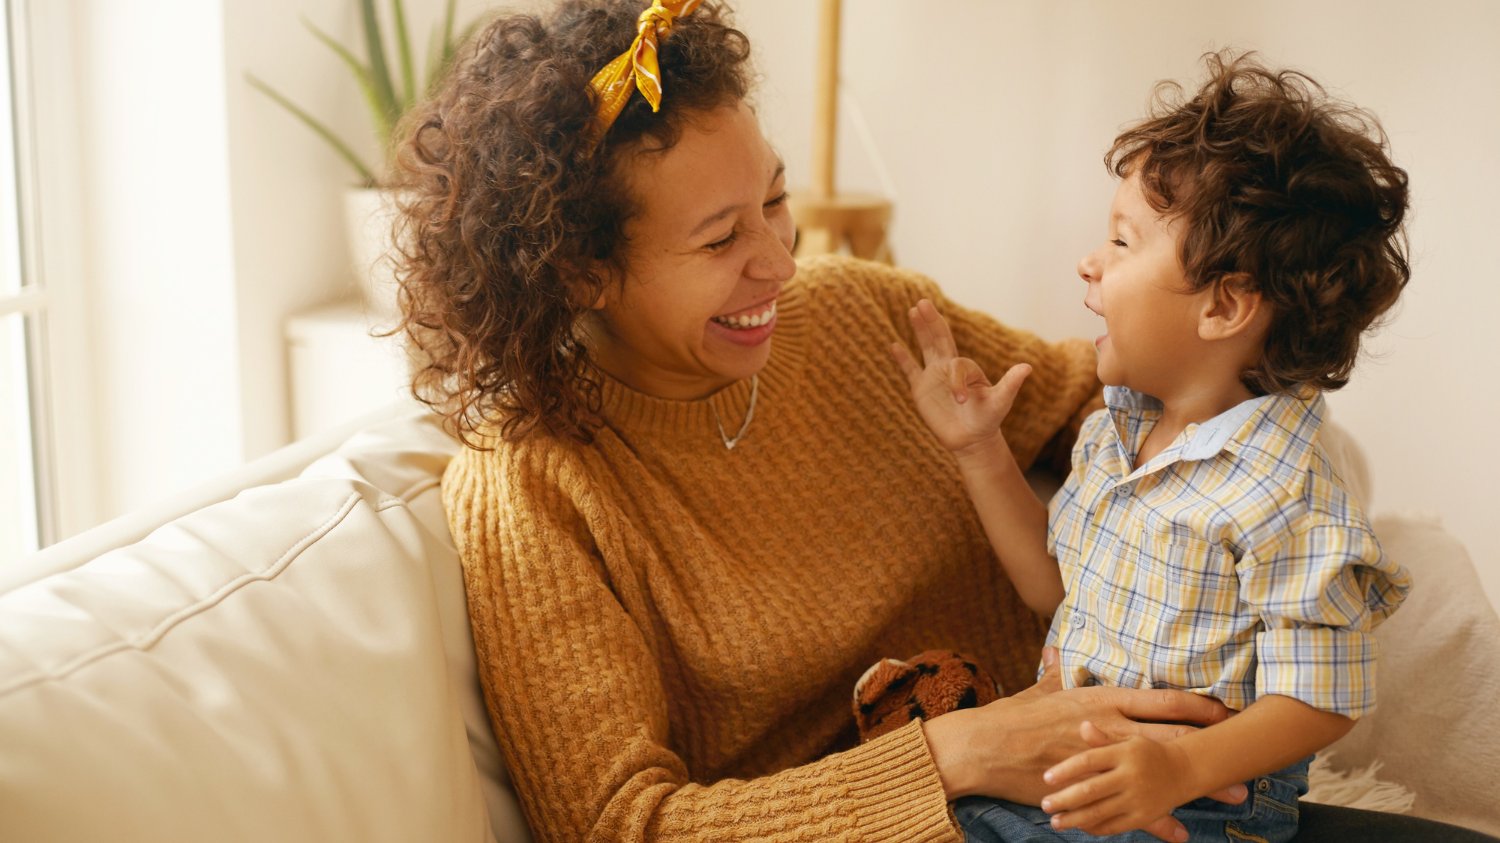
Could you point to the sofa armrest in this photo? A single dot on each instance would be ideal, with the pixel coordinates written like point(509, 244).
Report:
point(289, 664)
point(281, 464)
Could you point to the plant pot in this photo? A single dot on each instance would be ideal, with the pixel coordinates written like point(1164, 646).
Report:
point(370, 219)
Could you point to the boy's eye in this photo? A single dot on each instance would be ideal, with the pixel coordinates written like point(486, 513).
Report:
point(1118, 242)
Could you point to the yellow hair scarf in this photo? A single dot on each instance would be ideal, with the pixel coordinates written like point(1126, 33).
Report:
point(638, 63)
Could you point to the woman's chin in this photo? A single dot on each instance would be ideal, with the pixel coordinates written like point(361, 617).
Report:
point(744, 366)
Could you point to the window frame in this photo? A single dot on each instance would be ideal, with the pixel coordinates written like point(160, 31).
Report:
point(43, 49)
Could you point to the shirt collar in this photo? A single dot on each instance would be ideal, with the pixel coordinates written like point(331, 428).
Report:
point(1284, 423)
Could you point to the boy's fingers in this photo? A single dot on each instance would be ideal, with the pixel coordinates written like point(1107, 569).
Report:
point(965, 376)
point(1005, 390)
point(906, 363)
point(1079, 767)
point(1092, 816)
point(926, 341)
point(1010, 382)
point(942, 336)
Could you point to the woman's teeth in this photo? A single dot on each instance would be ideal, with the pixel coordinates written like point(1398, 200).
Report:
point(744, 322)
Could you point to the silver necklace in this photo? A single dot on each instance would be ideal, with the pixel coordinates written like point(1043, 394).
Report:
point(731, 441)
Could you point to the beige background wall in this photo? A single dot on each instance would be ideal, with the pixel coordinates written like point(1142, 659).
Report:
point(989, 118)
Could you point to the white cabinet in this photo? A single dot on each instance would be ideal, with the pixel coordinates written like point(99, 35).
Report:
point(339, 369)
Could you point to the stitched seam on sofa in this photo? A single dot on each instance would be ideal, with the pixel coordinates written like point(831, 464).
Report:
point(154, 636)
point(419, 487)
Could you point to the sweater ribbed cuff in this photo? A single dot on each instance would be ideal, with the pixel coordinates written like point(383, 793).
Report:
point(896, 789)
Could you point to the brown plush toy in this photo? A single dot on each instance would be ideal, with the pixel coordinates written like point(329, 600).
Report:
point(893, 693)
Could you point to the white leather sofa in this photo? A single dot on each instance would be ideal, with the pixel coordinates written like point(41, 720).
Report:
point(284, 655)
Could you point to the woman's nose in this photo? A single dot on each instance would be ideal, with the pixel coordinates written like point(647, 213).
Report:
point(773, 261)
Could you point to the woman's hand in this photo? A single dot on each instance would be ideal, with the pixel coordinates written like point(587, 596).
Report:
point(952, 393)
point(1002, 749)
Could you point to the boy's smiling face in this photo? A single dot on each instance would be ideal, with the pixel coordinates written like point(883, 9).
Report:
point(1136, 282)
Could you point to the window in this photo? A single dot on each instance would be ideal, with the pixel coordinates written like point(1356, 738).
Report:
point(43, 394)
point(22, 307)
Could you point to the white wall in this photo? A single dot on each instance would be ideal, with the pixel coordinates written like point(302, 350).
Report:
point(208, 215)
point(992, 116)
point(285, 188)
point(287, 185)
point(155, 237)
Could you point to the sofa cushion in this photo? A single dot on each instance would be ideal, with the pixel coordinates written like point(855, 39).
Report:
point(1435, 724)
point(406, 457)
point(274, 667)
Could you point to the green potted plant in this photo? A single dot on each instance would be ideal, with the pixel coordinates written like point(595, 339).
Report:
point(391, 86)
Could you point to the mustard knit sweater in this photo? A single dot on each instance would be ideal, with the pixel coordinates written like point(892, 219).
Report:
point(669, 632)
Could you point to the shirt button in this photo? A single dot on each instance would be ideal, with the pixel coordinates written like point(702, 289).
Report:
point(1122, 491)
point(1077, 620)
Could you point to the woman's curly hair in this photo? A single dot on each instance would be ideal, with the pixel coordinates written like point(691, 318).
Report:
point(1282, 189)
point(513, 212)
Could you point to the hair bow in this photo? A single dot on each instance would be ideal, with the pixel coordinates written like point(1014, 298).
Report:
point(638, 64)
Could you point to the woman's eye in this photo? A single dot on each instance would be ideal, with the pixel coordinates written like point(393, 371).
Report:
point(719, 245)
point(777, 202)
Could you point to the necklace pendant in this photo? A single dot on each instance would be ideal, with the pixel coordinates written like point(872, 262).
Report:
point(731, 441)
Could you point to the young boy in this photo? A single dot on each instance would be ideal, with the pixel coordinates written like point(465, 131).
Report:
point(1203, 541)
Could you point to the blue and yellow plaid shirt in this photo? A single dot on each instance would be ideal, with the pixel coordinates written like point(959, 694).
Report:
point(1232, 564)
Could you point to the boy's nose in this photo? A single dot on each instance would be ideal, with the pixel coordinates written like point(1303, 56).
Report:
point(1088, 267)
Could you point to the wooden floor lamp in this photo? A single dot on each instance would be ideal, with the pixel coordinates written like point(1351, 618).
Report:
point(829, 221)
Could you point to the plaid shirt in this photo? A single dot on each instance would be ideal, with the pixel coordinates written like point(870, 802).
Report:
point(1232, 564)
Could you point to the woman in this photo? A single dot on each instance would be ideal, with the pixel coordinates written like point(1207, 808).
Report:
point(697, 502)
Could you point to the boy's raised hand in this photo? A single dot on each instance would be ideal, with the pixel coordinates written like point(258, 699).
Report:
point(952, 393)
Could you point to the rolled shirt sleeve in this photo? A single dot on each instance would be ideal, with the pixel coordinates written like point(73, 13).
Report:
point(1320, 596)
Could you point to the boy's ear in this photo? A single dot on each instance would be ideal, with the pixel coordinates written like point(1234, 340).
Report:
point(1235, 309)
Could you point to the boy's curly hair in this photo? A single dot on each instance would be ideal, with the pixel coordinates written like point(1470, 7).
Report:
point(1286, 190)
point(513, 214)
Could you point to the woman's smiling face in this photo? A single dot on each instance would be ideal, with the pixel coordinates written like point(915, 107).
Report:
point(708, 253)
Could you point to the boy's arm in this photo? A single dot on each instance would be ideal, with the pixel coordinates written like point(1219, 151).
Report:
point(1126, 785)
point(1014, 519)
point(964, 410)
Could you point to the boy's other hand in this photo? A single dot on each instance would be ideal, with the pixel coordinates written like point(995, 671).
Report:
point(1123, 785)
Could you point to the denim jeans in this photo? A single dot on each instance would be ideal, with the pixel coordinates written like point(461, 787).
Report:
point(1268, 815)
